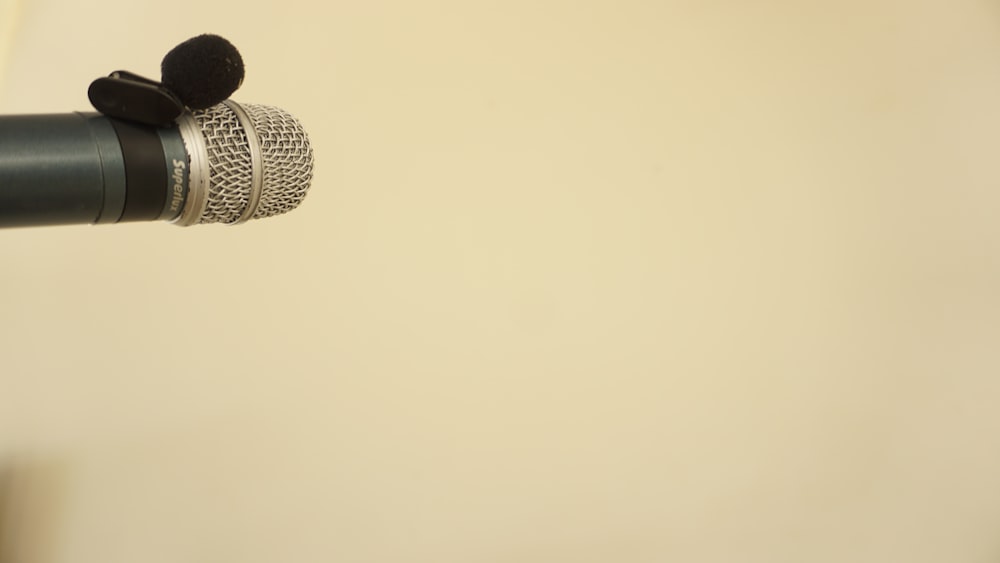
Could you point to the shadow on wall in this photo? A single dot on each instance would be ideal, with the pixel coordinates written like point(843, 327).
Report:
point(32, 496)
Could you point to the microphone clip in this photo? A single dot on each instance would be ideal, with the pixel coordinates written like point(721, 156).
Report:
point(132, 97)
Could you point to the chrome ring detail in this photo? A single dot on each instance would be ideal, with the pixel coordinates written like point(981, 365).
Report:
point(256, 159)
point(198, 172)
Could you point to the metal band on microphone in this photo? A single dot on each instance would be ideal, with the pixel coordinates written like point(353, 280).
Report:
point(256, 161)
point(198, 172)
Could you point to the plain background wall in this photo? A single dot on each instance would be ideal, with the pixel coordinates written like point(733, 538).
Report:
point(576, 281)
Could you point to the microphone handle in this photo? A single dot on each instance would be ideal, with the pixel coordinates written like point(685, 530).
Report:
point(79, 168)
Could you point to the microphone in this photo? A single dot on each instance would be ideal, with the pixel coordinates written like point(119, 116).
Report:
point(229, 163)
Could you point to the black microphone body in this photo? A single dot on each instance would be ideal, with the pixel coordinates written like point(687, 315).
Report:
point(82, 168)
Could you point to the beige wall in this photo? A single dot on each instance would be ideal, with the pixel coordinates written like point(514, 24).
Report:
point(577, 281)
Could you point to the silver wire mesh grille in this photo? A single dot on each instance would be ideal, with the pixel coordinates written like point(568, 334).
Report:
point(285, 152)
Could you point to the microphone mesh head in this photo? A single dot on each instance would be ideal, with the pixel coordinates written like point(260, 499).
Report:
point(286, 162)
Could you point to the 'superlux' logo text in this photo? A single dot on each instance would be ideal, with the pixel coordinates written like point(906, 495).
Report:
point(178, 188)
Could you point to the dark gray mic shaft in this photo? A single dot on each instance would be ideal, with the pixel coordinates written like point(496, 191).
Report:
point(79, 168)
point(227, 164)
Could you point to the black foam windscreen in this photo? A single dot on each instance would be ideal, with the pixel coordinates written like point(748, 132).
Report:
point(203, 71)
